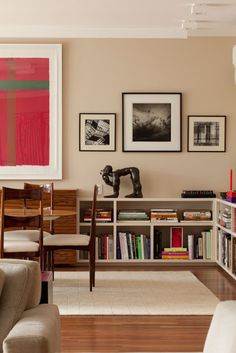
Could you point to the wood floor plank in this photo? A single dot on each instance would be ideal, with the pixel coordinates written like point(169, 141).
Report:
point(146, 333)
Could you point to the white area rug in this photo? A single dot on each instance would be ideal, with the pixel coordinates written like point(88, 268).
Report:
point(133, 293)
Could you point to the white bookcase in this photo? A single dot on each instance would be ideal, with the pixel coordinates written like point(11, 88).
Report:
point(226, 236)
point(147, 227)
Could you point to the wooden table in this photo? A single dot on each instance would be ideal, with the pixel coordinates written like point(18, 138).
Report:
point(48, 214)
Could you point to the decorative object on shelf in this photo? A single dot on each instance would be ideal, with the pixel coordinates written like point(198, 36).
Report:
point(97, 132)
point(231, 195)
point(198, 194)
point(176, 237)
point(206, 133)
point(112, 178)
point(30, 105)
point(152, 122)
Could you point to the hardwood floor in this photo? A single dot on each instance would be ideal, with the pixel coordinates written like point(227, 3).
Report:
point(146, 333)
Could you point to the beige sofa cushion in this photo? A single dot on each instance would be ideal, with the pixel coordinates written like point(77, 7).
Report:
point(38, 331)
point(221, 337)
point(21, 290)
point(2, 279)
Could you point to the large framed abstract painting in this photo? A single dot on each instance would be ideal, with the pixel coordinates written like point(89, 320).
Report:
point(30, 111)
point(152, 122)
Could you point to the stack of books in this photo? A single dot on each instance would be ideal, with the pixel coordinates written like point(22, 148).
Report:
point(197, 215)
point(175, 254)
point(102, 215)
point(132, 246)
point(163, 215)
point(225, 218)
point(132, 215)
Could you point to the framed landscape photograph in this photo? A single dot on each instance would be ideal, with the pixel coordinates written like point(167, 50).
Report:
point(206, 133)
point(30, 111)
point(97, 132)
point(151, 122)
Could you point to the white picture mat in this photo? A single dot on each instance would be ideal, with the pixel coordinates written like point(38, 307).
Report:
point(201, 119)
point(91, 116)
point(174, 100)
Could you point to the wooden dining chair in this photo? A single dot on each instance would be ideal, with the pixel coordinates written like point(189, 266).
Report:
point(47, 189)
point(31, 234)
point(76, 242)
point(18, 217)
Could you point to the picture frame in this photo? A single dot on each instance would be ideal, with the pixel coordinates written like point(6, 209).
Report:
point(176, 237)
point(152, 122)
point(97, 132)
point(30, 111)
point(206, 133)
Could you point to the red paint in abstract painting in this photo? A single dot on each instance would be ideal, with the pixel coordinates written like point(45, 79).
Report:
point(24, 111)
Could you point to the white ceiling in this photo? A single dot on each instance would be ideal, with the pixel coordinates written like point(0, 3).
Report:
point(117, 18)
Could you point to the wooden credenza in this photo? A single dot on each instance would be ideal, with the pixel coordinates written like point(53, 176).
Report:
point(65, 200)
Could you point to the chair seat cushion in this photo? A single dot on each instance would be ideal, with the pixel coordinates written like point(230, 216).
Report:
point(24, 234)
point(20, 246)
point(67, 240)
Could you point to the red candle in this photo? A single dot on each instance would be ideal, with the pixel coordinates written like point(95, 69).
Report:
point(231, 180)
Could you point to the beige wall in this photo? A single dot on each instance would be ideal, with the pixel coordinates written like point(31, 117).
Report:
point(97, 71)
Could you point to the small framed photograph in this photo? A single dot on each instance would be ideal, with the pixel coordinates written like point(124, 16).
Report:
point(176, 237)
point(206, 133)
point(97, 132)
point(151, 122)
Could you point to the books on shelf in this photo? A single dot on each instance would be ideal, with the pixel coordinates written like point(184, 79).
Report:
point(197, 215)
point(225, 219)
point(175, 253)
point(102, 215)
point(164, 215)
point(199, 245)
point(132, 246)
point(104, 247)
point(224, 248)
point(132, 215)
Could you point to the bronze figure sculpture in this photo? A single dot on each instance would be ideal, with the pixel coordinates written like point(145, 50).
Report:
point(112, 178)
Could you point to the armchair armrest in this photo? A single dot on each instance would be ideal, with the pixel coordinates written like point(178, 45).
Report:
point(38, 331)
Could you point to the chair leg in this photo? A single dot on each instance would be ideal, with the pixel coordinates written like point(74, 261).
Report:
point(90, 271)
point(52, 262)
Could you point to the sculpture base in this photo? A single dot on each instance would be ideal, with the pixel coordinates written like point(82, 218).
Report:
point(133, 195)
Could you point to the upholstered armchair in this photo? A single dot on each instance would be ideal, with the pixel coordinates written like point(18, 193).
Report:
point(25, 325)
point(221, 337)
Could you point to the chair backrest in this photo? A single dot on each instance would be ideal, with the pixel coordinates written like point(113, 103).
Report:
point(93, 217)
point(47, 189)
point(19, 219)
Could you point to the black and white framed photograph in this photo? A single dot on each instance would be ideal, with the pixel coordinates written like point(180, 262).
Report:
point(206, 133)
point(97, 132)
point(151, 122)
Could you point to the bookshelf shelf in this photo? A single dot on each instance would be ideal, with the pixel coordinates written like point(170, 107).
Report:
point(144, 231)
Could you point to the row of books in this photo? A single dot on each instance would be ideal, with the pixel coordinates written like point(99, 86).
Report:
point(156, 215)
point(225, 218)
point(198, 246)
point(224, 248)
point(132, 246)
